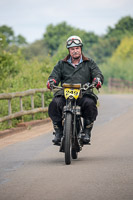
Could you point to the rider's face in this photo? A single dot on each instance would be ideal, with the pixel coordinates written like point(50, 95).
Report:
point(75, 52)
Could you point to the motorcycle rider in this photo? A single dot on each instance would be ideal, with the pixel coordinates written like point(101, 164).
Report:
point(74, 68)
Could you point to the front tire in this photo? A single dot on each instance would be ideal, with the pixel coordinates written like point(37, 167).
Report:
point(68, 138)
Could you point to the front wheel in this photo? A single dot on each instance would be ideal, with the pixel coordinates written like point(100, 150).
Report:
point(68, 138)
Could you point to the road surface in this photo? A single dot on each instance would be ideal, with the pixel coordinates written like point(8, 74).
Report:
point(32, 168)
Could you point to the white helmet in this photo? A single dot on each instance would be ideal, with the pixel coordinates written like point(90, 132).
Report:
point(74, 41)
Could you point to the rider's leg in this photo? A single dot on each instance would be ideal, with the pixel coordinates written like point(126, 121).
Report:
point(88, 125)
point(89, 113)
point(58, 132)
point(55, 113)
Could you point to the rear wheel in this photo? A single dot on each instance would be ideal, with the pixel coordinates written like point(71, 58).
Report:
point(68, 138)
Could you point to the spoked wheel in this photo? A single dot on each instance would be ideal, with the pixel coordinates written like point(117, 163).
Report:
point(68, 138)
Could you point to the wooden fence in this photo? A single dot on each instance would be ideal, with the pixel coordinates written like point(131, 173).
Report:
point(22, 112)
point(121, 85)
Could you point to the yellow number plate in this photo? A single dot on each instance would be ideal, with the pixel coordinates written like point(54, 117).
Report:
point(71, 92)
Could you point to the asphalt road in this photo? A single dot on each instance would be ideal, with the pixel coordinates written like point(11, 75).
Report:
point(33, 168)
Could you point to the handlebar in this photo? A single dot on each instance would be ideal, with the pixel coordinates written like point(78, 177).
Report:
point(86, 86)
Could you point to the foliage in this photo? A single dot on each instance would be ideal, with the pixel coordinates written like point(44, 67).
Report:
point(108, 43)
point(9, 67)
point(10, 37)
point(56, 36)
point(37, 49)
point(20, 40)
point(3, 42)
point(122, 28)
point(103, 49)
point(32, 74)
point(125, 49)
point(117, 69)
point(120, 65)
point(7, 32)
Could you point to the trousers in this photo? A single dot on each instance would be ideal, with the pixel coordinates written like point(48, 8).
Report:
point(88, 108)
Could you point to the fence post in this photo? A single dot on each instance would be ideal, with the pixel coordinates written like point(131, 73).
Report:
point(9, 112)
point(21, 106)
point(32, 104)
point(110, 84)
point(42, 94)
point(42, 97)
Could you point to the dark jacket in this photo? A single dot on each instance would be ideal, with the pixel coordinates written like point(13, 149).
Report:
point(85, 72)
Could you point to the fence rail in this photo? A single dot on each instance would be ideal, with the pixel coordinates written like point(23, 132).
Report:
point(120, 84)
point(22, 112)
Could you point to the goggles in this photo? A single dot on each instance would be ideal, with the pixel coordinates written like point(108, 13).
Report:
point(75, 41)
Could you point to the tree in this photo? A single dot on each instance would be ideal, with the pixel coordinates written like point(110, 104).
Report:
point(10, 37)
point(3, 42)
point(122, 28)
point(8, 33)
point(20, 40)
point(9, 62)
point(37, 49)
point(103, 49)
point(125, 50)
point(57, 35)
point(120, 65)
point(54, 34)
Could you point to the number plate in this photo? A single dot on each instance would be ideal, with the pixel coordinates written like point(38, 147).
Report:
point(71, 93)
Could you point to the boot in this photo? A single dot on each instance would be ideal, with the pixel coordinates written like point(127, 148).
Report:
point(87, 130)
point(58, 132)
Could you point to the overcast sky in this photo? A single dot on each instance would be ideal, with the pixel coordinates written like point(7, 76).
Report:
point(31, 17)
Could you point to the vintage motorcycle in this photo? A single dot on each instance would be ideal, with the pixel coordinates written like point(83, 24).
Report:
point(72, 140)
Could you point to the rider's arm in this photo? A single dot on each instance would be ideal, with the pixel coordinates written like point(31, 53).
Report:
point(56, 73)
point(96, 72)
